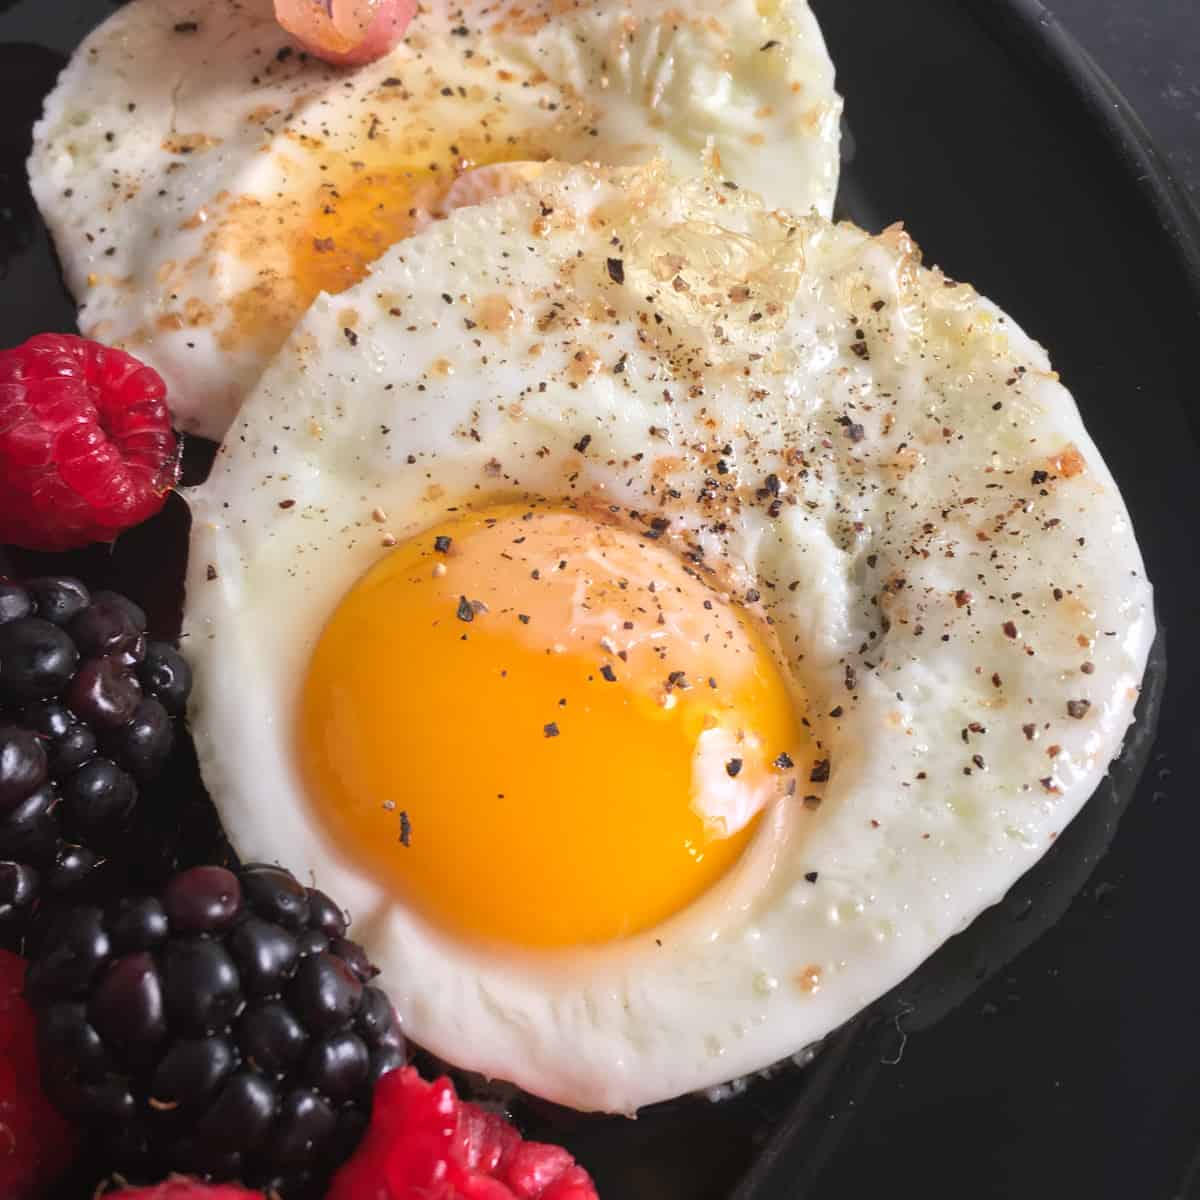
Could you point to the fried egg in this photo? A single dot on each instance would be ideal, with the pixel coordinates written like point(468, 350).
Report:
point(663, 620)
point(203, 181)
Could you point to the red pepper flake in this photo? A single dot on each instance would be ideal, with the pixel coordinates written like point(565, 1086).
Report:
point(851, 678)
point(287, 504)
point(1078, 709)
point(996, 680)
point(608, 673)
point(210, 573)
point(616, 270)
point(351, 336)
point(836, 711)
point(820, 771)
point(811, 876)
point(405, 830)
point(784, 761)
point(442, 543)
point(466, 610)
point(733, 768)
point(1050, 786)
point(962, 599)
point(1087, 668)
point(977, 759)
point(1010, 629)
point(583, 443)
point(1030, 732)
point(551, 729)
point(1039, 477)
point(523, 618)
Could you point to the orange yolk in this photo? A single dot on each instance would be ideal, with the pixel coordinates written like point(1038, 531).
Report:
point(364, 207)
point(540, 729)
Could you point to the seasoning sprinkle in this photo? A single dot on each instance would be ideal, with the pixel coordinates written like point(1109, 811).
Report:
point(550, 730)
point(608, 673)
point(784, 761)
point(466, 610)
point(616, 270)
point(820, 771)
point(442, 543)
point(405, 830)
point(733, 768)
point(1078, 709)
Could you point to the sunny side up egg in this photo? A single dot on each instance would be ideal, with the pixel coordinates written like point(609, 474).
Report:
point(664, 620)
point(204, 182)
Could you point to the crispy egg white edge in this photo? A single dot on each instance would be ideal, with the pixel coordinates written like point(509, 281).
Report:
point(618, 1027)
point(133, 220)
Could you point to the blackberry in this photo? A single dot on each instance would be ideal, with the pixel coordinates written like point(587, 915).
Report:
point(87, 719)
point(224, 1028)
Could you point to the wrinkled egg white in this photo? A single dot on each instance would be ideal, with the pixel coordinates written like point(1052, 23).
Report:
point(187, 150)
point(944, 556)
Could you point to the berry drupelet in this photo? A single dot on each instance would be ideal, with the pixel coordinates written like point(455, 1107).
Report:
point(87, 716)
point(224, 1028)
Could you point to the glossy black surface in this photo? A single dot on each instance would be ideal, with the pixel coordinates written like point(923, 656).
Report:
point(1054, 1048)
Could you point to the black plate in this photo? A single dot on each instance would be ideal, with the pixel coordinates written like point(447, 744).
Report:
point(1054, 1047)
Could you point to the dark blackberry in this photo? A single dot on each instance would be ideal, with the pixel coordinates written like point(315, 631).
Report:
point(59, 598)
point(37, 660)
point(166, 676)
point(87, 719)
point(15, 602)
point(191, 1032)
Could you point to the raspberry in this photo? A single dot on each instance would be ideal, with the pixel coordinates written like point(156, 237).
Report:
point(86, 448)
point(424, 1143)
point(181, 1188)
point(36, 1144)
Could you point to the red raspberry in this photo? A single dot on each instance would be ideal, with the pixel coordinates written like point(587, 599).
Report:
point(424, 1143)
point(179, 1188)
point(36, 1144)
point(86, 448)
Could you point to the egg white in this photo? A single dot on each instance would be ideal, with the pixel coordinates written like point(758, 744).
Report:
point(941, 553)
point(186, 140)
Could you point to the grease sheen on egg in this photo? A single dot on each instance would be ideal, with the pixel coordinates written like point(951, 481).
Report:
point(872, 466)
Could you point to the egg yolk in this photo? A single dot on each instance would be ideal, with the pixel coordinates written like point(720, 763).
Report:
point(537, 728)
point(365, 206)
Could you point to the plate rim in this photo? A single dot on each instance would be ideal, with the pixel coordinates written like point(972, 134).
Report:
point(1039, 35)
